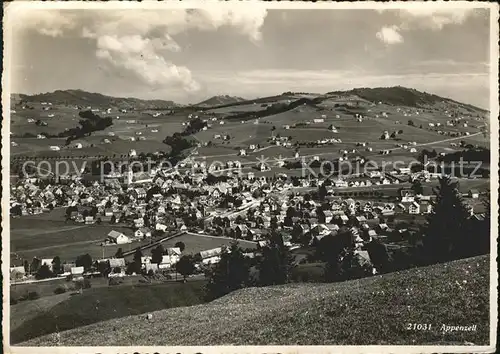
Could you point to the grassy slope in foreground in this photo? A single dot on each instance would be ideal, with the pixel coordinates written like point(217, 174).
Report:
point(100, 304)
point(373, 310)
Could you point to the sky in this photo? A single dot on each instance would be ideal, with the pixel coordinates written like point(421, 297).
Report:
point(188, 55)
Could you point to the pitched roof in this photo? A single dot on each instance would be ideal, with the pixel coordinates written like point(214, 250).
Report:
point(115, 234)
point(117, 262)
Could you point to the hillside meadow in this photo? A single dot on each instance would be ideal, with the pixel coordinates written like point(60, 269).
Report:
point(371, 311)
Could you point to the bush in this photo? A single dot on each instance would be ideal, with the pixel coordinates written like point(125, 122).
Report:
point(13, 301)
point(33, 295)
point(60, 290)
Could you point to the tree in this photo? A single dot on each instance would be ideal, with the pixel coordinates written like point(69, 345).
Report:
point(400, 131)
point(56, 265)
point(378, 255)
point(353, 266)
point(84, 261)
point(16, 210)
point(44, 272)
point(231, 273)
point(35, 265)
point(322, 192)
point(185, 266)
point(411, 123)
point(332, 249)
point(119, 253)
point(157, 254)
point(417, 187)
point(446, 234)
point(276, 262)
point(180, 245)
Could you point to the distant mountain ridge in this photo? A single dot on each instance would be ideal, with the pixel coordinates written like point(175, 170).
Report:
point(220, 100)
point(401, 96)
point(84, 98)
point(397, 95)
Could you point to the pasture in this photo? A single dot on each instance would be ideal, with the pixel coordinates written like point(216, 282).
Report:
point(48, 235)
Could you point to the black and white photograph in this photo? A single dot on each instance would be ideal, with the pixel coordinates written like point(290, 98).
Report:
point(250, 177)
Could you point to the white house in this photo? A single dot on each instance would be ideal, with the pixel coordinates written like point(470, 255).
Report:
point(47, 262)
point(414, 208)
point(474, 193)
point(118, 237)
point(55, 148)
point(132, 153)
point(318, 120)
point(211, 256)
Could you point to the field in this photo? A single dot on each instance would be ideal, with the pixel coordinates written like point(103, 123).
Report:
point(141, 124)
point(62, 312)
point(47, 235)
point(370, 311)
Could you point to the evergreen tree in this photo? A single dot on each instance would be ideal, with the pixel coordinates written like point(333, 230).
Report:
point(446, 233)
point(322, 192)
point(276, 262)
point(378, 255)
point(138, 255)
point(231, 273)
point(56, 265)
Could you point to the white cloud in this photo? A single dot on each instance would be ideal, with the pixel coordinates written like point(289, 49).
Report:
point(434, 19)
point(142, 41)
point(429, 18)
point(49, 23)
point(389, 35)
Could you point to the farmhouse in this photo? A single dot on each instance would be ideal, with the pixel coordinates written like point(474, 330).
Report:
point(77, 273)
point(47, 262)
point(473, 193)
point(118, 237)
point(318, 120)
point(211, 256)
point(17, 273)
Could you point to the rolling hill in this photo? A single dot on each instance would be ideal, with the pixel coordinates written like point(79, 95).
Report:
point(84, 99)
point(375, 310)
point(219, 101)
point(401, 96)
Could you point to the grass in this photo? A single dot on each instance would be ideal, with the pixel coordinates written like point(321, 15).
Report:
point(100, 304)
point(370, 311)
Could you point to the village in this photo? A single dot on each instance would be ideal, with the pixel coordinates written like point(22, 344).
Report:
point(148, 208)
